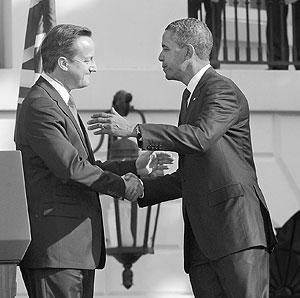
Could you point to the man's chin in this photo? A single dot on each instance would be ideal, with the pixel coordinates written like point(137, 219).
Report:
point(168, 77)
point(81, 86)
point(85, 84)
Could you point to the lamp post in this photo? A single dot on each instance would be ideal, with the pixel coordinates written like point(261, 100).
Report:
point(130, 231)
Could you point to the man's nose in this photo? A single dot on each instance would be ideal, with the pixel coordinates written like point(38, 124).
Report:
point(160, 57)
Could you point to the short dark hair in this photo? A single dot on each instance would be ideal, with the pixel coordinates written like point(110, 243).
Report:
point(59, 42)
point(192, 31)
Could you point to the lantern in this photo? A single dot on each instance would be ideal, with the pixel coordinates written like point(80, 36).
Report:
point(130, 233)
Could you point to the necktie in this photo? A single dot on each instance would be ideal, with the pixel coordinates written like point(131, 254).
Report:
point(83, 133)
point(185, 96)
point(72, 107)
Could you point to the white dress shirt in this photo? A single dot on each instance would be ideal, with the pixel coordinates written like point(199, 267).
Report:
point(63, 92)
point(195, 80)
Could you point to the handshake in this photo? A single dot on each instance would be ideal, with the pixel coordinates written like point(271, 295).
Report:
point(148, 164)
point(134, 188)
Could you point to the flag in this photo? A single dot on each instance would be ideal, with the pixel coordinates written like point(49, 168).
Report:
point(41, 18)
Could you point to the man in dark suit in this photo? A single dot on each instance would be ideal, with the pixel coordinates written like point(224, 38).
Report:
point(61, 175)
point(278, 50)
point(213, 20)
point(228, 231)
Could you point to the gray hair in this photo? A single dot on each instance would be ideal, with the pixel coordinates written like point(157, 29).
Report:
point(194, 32)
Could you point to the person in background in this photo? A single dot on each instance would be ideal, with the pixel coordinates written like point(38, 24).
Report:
point(228, 231)
point(62, 178)
point(278, 50)
point(213, 19)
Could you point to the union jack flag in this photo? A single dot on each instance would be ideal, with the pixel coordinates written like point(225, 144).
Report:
point(41, 18)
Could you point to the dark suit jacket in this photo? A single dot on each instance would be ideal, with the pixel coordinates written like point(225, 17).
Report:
point(216, 176)
point(62, 183)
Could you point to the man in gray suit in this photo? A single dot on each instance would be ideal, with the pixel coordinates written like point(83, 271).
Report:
point(228, 231)
point(63, 180)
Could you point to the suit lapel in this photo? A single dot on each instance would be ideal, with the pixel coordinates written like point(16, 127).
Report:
point(63, 106)
point(87, 141)
point(182, 114)
point(185, 112)
point(195, 98)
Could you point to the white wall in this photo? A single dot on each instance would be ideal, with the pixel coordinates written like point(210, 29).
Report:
point(127, 35)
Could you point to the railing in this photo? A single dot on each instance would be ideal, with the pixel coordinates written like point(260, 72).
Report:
point(252, 32)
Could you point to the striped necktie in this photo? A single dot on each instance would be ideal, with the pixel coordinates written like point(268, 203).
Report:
point(72, 107)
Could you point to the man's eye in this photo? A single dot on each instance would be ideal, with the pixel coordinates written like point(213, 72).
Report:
point(89, 60)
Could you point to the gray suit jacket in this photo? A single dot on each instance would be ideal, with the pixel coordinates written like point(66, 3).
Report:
point(62, 183)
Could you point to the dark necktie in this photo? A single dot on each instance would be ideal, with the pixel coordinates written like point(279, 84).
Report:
point(185, 96)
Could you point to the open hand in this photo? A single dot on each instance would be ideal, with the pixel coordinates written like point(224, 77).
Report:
point(110, 123)
point(153, 164)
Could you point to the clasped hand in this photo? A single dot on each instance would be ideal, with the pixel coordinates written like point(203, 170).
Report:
point(133, 187)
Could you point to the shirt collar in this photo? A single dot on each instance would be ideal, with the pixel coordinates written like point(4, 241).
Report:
point(196, 78)
point(63, 92)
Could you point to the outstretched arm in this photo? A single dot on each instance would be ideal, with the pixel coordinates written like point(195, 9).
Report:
point(161, 189)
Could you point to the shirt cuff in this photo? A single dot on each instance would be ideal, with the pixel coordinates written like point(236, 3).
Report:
point(139, 136)
point(143, 194)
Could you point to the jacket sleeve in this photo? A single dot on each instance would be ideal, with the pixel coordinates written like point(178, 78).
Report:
point(45, 131)
point(118, 167)
point(161, 189)
point(219, 111)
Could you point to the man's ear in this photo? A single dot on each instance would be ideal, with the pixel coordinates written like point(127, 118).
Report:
point(63, 63)
point(190, 51)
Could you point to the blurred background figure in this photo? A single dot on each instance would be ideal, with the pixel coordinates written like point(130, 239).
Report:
point(277, 33)
point(213, 14)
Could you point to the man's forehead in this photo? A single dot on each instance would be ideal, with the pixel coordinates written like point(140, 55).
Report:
point(168, 37)
point(83, 43)
point(168, 34)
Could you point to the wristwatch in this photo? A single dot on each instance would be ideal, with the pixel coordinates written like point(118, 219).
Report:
point(139, 137)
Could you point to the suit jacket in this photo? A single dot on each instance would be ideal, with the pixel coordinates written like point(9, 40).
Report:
point(216, 176)
point(62, 183)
